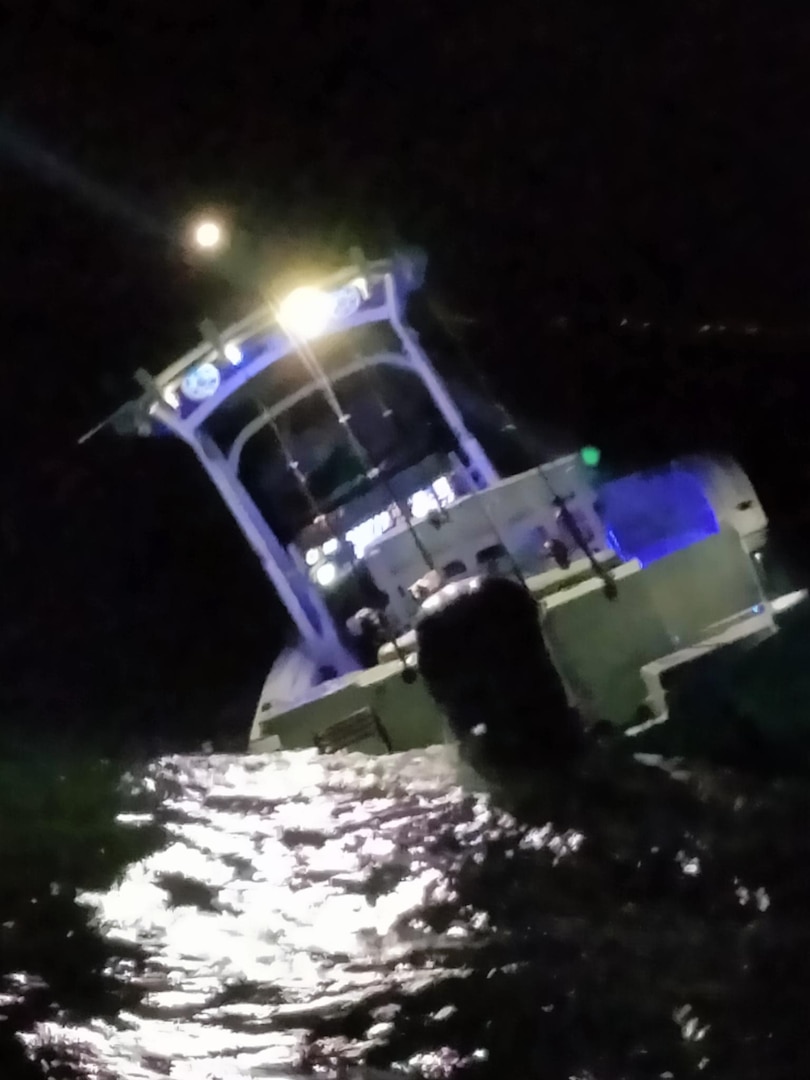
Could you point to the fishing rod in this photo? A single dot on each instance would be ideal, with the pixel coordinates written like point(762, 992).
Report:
point(559, 501)
point(304, 350)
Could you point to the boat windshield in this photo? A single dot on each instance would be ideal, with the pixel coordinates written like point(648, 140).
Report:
point(391, 415)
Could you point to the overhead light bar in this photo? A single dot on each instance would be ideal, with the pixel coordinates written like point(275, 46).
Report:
point(307, 312)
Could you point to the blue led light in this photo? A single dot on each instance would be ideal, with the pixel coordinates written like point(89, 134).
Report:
point(653, 514)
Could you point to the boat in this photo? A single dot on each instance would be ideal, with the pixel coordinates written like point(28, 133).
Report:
point(374, 507)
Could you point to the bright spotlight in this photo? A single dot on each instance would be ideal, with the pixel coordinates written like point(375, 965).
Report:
point(233, 353)
point(326, 574)
point(306, 312)
point(208, 235)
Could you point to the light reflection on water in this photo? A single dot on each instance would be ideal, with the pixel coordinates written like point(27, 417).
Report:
point(284, 894)
point(361, 917)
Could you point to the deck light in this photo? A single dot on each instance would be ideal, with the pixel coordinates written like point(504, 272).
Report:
point(326, 574)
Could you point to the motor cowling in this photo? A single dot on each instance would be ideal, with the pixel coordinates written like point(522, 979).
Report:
point(485, 663)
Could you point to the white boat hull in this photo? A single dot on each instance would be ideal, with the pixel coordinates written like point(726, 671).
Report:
point(612, 654)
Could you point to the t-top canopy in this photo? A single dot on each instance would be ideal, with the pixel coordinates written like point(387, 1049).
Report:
point(189, 390)
point(187, 393)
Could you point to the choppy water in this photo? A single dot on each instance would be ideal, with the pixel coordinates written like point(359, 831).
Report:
point(353, 916)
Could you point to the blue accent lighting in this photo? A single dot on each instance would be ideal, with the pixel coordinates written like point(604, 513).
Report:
point(652, 514)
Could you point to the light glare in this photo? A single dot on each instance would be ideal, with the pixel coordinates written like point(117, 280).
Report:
point(208, 235)
point(364, 534)
point(326, 574)
point(422, 503)
point(233, 353)
point(306, 312)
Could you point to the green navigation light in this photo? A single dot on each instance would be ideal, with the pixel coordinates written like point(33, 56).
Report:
point(591, 455)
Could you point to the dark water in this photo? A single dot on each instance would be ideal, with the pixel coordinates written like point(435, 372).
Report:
point(215, 918)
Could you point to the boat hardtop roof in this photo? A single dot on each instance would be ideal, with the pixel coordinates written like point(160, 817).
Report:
point(187, 391)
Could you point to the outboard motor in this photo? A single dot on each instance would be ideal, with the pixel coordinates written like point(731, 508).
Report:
point(485, 663)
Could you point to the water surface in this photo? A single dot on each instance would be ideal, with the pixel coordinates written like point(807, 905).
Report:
point(351, 916)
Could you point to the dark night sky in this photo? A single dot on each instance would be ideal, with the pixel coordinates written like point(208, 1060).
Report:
point(555, 160)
